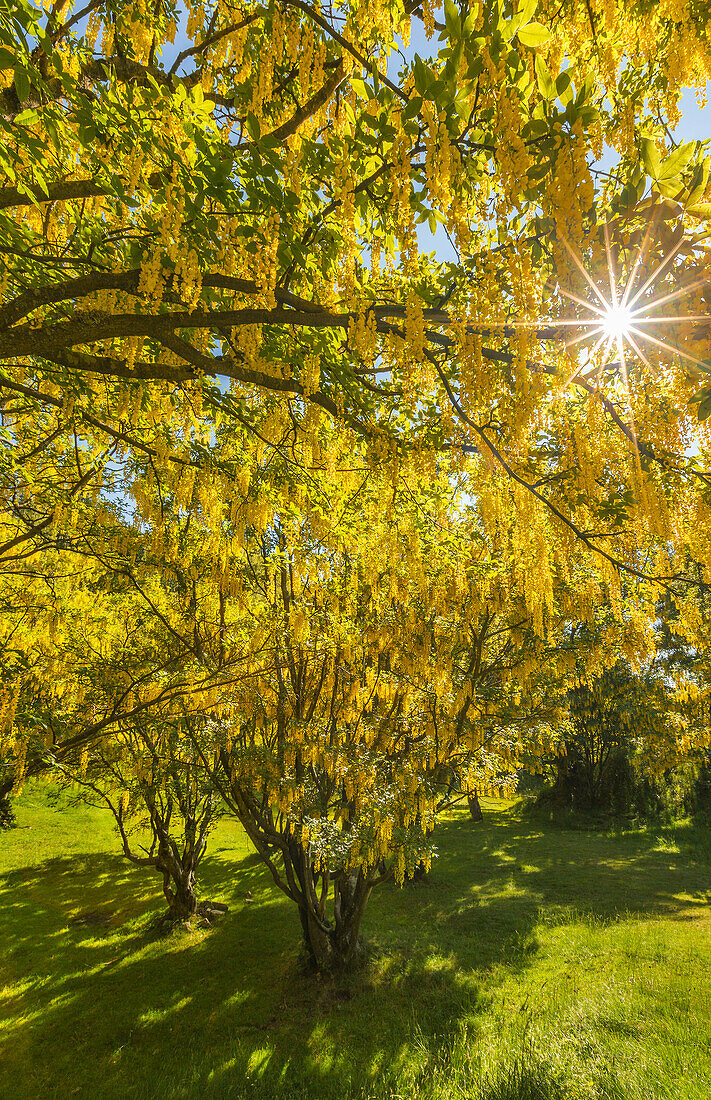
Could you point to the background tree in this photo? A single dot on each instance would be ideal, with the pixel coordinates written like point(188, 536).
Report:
point(152, 779)
point(621, 726)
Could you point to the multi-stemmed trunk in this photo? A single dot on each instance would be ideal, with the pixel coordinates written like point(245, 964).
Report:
point(330, 902)
point(178, 884)
point(176, 856)
point(332, 943)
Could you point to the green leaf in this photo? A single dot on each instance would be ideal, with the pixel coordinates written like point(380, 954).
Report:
point(22, 83)
point(650, 158)
point(422, 75)
point(470, 23)
point(413, 108)
point(253, 127)
point(677, 161)
point(544, 78)
point(704, 411)
point(697, 187)
point(462, 108)
point(360, 88)
point(564, 87)
point(700, 210)
point(26, 117)
point(670, 188)
point(438, 93)
point(451, 18)
point(527, 10)
point(534, 35)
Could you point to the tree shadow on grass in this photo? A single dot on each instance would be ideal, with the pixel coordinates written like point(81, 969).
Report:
point(650, 872)
point(102, 1008)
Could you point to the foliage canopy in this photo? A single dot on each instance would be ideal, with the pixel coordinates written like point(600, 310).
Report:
point(272, 471)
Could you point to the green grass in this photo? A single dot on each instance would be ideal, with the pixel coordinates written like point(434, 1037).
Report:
point(537, 963)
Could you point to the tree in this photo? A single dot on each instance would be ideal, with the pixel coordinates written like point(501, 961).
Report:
point(217, 319)
point(394, 673)
point(350, 647)
point(619, 724)
point(173, 214)
point(150, 776)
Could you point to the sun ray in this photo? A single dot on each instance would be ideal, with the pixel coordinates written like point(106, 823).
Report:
point(637, 350)
point(599, 341)
point(580, 366)
point(541, 322)
point(581, 301)
point(660, 268)
point(584, 273)
point(626, 380)
point(675, 319)
point(668, 347)
point(673, 295)
point(583, 336)
point(618, 321)
point(610, 266)
point(593, 352)
point(641, 253)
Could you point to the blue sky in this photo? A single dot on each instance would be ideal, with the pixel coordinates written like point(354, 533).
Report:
point(695, 122)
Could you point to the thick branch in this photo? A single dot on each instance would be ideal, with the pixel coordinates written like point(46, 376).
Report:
point(312, 105)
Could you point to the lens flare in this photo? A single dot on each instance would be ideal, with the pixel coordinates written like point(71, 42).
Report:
point(617, 322)
point(614, 323)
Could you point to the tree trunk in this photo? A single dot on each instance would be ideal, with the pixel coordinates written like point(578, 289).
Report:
point(474, 807)
point(7, 814)
point(335, 945)
point(181, 896)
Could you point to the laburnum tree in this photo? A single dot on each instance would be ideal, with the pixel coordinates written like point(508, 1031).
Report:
point(216, 317)
point(400, 677)
point(233, 192)
point(151, 777)
point(346, 651)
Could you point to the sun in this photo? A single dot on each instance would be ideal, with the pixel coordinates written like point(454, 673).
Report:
point(621, 321)
point(617, 322)
point(613, 324)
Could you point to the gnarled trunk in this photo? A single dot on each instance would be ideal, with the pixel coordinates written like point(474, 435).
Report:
point(177, 860)
point(330, 902)
point(179, 890)
point(334, 944)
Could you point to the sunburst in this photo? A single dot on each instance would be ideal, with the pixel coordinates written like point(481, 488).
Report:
point(617, 321)
point(621, 319)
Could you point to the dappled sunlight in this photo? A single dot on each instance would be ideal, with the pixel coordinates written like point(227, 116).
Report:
point(502, 901)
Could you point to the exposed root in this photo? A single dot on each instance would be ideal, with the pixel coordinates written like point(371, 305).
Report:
point(204, 916)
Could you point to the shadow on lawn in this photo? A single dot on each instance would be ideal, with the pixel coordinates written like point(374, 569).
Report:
point(599, 874)
point(230, 1013)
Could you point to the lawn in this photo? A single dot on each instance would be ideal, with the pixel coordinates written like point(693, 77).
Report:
point(536, 962)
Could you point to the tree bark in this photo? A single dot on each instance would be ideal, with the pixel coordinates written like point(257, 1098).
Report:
point(474, 807)
point(180, 893)
point(335, 945)
point(7, 814)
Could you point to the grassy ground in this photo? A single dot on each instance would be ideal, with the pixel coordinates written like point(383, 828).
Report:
point(535, 964)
